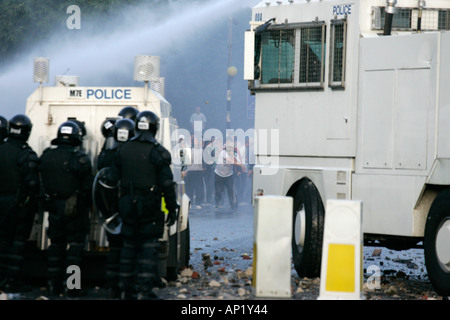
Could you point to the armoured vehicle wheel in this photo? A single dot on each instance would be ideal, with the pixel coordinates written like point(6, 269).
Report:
point(436, 243)
point(307, 236)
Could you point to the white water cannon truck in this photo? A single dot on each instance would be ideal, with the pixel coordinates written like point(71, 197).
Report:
point(358, 93)
point(49, 106)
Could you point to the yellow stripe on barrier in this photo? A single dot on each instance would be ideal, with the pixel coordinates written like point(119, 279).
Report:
point(341, 268)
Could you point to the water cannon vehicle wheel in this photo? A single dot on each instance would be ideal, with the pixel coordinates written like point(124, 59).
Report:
point(436, 240)
point(308, 225)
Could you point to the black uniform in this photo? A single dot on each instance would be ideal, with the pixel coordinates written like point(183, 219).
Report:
point(66, 175)
point(143, 167)
point(106, 156)
point(107, 204)
point(19, 189)
point(107, 198)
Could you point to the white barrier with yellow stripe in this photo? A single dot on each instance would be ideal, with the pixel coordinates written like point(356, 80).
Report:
point(341, 271)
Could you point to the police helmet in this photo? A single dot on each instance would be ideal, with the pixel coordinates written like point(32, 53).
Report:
point(129, 112)
point(3, 128)
point(20, 127)
point(124, 130)
point(147, 121)
point(68, 133)
point(108, 127)
point(81, 126)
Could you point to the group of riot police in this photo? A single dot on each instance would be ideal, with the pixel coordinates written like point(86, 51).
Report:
point(134, 171)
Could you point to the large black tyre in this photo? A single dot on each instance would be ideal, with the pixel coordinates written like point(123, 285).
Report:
point(436, 244)
point(308, 224)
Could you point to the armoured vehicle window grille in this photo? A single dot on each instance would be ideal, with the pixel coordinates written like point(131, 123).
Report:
point(338, 53)
point(431, 20)
point(277, 63)
point(401, 20)
point(312, 55)
point(406, 19)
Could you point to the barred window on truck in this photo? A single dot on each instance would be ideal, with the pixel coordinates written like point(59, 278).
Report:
point(277, 56)
point(312, 55)
point(338, 44)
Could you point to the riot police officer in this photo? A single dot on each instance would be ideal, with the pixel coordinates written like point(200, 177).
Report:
point(19, 189)
point(143, 167)
point(108, 149)
point(107, 196)
point(3, 129)
point(66, 175)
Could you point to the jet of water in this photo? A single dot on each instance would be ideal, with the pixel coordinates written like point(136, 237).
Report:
point(106, 58)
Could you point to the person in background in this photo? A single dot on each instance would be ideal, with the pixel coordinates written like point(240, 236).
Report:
point(224, 174)
point(193, 176)
point(198, 122)
point(210, 164)
point(178, 152)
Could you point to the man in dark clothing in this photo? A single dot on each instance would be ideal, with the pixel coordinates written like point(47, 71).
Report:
point(19, 189)
point(107, 153)
point(66, 175)
point(142, 166)
point(193, 176)
point(210, 152)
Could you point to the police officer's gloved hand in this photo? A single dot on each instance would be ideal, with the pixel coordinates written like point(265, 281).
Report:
point(171, 218)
